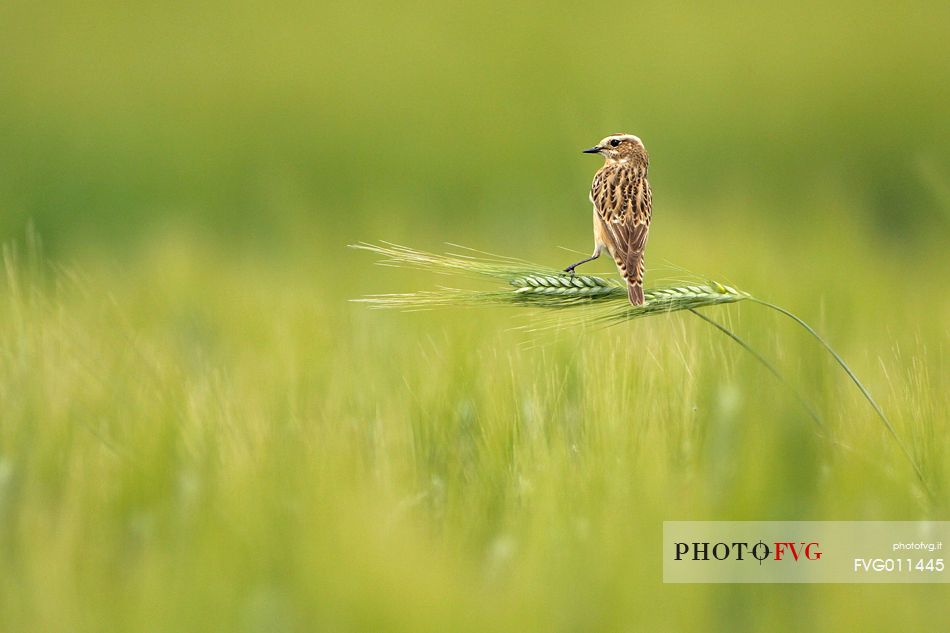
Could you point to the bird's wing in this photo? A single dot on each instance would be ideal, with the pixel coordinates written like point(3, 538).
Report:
point(624, 207)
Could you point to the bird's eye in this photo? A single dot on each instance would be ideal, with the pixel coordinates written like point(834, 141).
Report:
point(614, 142)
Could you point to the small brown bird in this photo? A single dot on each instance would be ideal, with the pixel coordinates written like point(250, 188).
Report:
point(623, 205)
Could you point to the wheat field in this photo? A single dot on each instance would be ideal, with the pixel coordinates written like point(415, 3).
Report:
point(314, 465)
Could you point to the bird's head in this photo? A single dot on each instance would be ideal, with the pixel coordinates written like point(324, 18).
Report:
point(621, 148)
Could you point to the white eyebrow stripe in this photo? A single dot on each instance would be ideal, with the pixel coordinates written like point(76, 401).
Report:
point(625, 137)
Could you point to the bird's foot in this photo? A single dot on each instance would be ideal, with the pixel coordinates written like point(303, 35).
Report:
point(570, 270)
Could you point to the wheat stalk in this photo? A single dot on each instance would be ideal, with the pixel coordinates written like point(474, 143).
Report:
point(534, 285)
point(605, 301)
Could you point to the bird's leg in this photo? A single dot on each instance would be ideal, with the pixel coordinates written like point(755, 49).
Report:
point(570, 269)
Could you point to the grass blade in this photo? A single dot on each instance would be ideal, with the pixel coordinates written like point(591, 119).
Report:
point(864, 390)
point(765, 362)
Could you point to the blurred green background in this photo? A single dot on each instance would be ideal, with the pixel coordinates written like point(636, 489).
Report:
point(199, 432)
point(391, 120)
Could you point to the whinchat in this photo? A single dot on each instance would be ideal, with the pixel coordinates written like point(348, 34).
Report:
point(623, 206)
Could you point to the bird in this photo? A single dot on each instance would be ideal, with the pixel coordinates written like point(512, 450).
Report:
point(623, 206)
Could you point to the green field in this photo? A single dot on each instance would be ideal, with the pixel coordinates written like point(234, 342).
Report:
point(200, 432)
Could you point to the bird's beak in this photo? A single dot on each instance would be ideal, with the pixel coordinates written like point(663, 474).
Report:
point(593, 150)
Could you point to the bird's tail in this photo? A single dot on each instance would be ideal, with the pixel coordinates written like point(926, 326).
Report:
point(632, 270)
point(635, 292)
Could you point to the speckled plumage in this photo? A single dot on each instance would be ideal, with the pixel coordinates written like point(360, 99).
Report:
point(623, 207)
